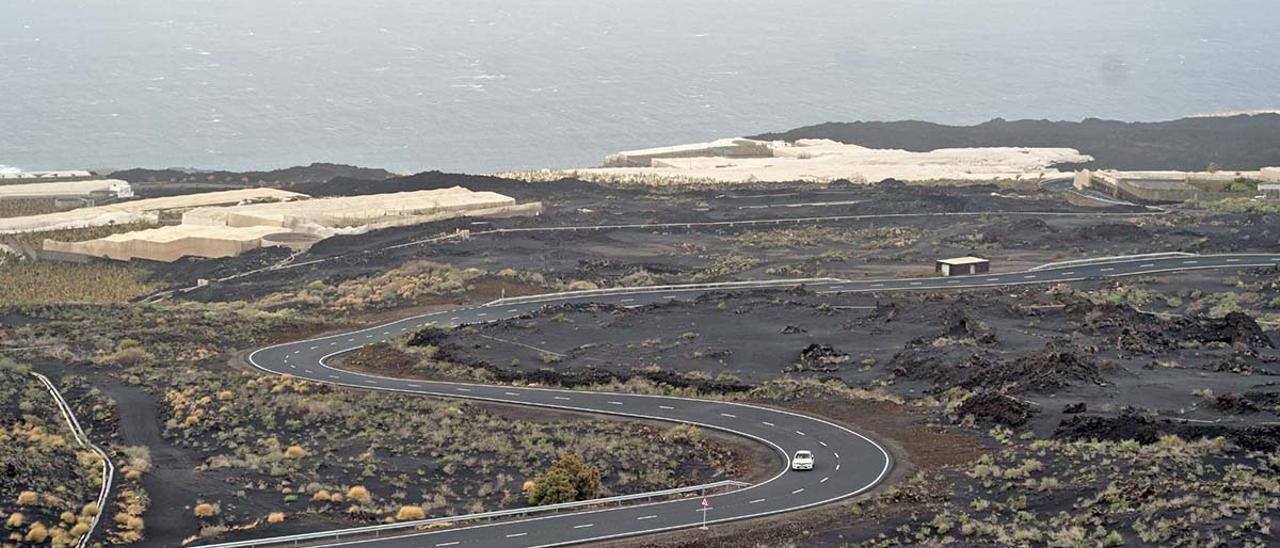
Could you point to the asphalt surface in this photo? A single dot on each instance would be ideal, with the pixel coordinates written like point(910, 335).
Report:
point(846, 463)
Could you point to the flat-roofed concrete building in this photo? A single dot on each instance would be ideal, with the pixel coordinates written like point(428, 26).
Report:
point(1270, 191)
point(327, 216)
point(135, 211)
point(1171, 186)
point(722, 148)
point(962, 266)
point(34, 176)
point(170, 243)
point(107, 188)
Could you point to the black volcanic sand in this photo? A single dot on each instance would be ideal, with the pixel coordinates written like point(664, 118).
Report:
point(1048, 350)
point(1245, 142)
point(883, 247)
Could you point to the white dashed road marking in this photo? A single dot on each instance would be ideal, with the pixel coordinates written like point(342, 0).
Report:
point(728, 415)
point(645, 517)
point(799, 432)
point(798, 491)
point(755, 501)
point(766, 423)
point(514, 535)
point(668, 407)
point(561, 398)
point(583, 526)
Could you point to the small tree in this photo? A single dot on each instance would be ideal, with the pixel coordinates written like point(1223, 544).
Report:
point(568, 479)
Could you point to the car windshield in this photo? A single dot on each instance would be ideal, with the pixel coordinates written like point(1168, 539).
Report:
point(804, 455)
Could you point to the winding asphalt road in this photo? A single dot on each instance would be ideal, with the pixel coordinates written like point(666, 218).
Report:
point(847, 463)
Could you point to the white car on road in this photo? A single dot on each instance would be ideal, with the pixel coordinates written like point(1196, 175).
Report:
point(802, 461)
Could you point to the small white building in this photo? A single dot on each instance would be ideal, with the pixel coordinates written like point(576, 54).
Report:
point(961, 266)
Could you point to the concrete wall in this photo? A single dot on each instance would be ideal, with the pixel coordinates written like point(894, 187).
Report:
point(723, 148)
point(166, 244)
point(1146, 187)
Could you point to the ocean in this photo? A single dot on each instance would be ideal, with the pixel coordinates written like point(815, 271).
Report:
point(485, 85)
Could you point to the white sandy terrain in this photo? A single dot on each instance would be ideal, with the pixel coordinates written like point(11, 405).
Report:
point(824, 160)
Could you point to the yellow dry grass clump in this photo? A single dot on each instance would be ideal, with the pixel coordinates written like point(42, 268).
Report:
point(410, 513)
point(275, 517)
point(38, 533)
point(27, 498)
point(359, 494)
point(205, 510)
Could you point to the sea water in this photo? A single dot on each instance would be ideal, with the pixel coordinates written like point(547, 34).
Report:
point(484, 85)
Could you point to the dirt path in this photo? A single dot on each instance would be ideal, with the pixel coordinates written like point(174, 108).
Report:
point(172, 483)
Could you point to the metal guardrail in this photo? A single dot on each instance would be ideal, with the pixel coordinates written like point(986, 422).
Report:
point(377, 530)
point(749, 284)
point(1112, 259)
point(108, 469)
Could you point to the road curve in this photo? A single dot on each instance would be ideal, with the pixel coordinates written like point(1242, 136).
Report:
point(847, 463)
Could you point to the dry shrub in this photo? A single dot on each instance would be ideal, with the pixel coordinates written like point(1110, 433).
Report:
point(359, 494)
point(410, 513)
point(295, 452)
point(27, 498)
point(321, 496)
point(205, 510)
point(37, 534)
point(15, 520)
point(90, 509)
point(275, 517)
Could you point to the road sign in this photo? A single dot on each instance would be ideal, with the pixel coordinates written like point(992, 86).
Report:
point(706, 506)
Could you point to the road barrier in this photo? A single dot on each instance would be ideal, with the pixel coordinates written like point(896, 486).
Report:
point(108, 469)
point(377, 530)
point(749, 284)
point(1112, 259)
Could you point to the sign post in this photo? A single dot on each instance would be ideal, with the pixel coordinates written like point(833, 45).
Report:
point(706, 507)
